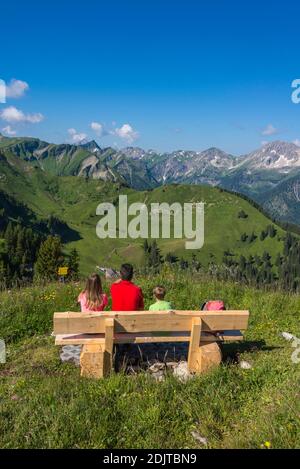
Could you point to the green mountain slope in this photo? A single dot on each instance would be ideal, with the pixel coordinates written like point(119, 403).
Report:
point(87, 160)
point(14, 211)
point(74, 200)
point(264, 175)
point(284, 199)
point(58, 160)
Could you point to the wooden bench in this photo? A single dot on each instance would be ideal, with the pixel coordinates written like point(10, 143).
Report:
point(98, 332)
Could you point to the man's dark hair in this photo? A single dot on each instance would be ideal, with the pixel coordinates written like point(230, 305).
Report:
point(126, 272)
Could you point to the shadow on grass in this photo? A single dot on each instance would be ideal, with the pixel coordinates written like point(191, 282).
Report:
point(143, 355)
point(232, 351)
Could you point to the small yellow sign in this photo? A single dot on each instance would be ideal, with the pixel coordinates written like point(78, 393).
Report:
point(63, 271)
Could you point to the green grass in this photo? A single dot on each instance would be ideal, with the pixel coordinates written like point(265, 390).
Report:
point(45, 404)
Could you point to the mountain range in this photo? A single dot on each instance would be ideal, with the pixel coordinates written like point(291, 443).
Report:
point(269, 175)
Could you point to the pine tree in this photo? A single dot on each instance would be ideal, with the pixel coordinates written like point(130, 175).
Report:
point(183, 264)
point(242, 264)
point(252, 237)
point(288, 242)
point(242, 214)
point(195, 264)
point(73, 265)
point(155, 258)
point(263, 235)
point(271, 231)
point(171, 258)
point(146, 246)
point(49, 259)
point(3, 272)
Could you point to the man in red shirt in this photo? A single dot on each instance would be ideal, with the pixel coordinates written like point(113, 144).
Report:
point(126, 296)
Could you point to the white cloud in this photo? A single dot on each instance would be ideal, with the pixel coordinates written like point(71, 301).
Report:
point(77, 137)
point(297, 142)
point(270, 130)
point(96, 126)
point(127, 133)
point(264, 142)
point(98, 129)
point(16, 88)
point(13, 115)
point(34, 118)
point(9, 131)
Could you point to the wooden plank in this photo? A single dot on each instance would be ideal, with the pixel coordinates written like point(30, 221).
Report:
point(145, 321)
point(79, 339)
point(194, 356)
point(91, 361)
point(108, 346)
point(225, 320)
point(145, 337)
point(181, 336)
point(76, 323)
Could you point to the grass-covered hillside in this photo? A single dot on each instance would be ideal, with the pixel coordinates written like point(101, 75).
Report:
point(74, 201)
point(45, 404)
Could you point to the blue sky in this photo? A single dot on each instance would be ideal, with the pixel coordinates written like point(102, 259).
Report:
point(157, 74)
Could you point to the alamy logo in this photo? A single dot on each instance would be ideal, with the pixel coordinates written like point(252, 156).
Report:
point(296, 93)
point(2, 351)
point(2, 91)
point(295, 357)
point(164, 220)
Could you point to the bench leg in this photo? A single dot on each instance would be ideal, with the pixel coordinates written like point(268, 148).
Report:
point(91, 361)
point(108, 346)
point(203, 356)
point(96, 359)
point(195, 355)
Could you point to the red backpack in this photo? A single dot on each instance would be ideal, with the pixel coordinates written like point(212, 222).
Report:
point(216, 305)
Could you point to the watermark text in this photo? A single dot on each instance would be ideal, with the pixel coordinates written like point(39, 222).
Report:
point(162, 221)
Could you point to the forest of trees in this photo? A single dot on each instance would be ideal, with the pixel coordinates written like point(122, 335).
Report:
point(18, 252)
point(27, 255)
point(258, 271)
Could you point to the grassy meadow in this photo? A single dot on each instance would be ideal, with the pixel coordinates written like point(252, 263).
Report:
point(45, 404)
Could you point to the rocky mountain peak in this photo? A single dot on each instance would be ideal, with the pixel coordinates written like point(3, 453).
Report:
point(91, 146)
point(275, 155)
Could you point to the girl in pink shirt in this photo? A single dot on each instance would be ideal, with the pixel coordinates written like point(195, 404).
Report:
point(92, 298)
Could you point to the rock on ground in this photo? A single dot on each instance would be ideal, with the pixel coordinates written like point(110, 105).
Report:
point(181, 372)
point(245, 365)
point(70, 353)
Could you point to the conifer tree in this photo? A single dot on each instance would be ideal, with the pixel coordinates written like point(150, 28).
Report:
point(73, 265)
point(49, 259)
point(155, 258)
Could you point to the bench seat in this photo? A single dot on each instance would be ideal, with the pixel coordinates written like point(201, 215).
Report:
point(146, 337)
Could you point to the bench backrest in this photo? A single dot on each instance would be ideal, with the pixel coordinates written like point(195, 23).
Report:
point(149, 321)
